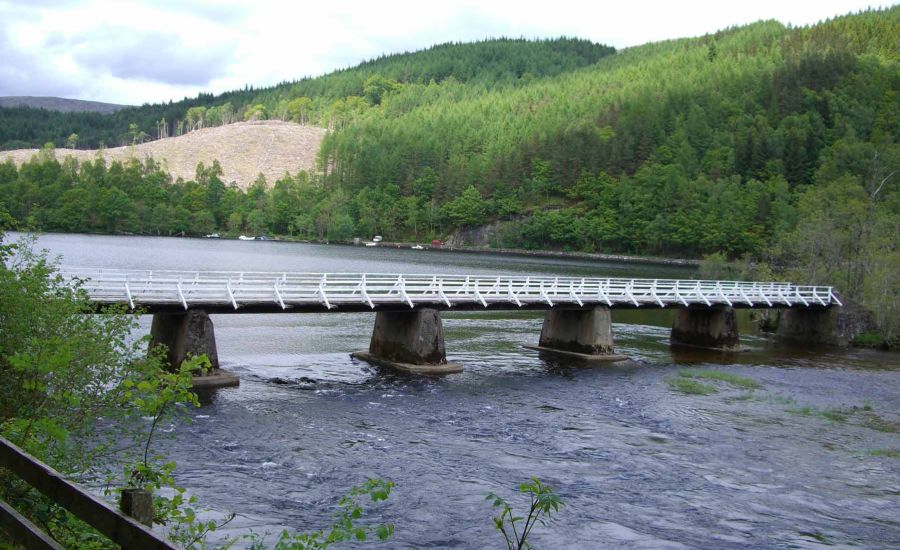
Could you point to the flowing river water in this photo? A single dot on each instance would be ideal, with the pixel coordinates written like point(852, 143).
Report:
point(810, 459)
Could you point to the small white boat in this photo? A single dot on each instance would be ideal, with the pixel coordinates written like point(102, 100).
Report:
point(418, 247)
point(371, 244)
point(245, 238)
point(212, 236)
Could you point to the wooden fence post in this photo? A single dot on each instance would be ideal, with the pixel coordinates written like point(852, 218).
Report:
point(137, 503)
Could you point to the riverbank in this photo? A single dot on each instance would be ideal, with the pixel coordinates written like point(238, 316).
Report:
point(653, 260)
point(618, 258)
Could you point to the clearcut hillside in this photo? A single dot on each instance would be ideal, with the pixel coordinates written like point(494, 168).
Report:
point(244, 150)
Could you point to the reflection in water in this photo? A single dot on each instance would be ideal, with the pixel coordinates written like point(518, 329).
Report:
point(639, 465)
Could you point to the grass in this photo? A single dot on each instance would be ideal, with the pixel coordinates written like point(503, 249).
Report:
point(690, 387)
point(875, 422)
point(867, 412)
point(835, 415)
point(721, 376)
point(888, 453)
point(869, 340)
point(802, 411)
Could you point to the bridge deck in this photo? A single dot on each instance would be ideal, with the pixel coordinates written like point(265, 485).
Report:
point(249, 292)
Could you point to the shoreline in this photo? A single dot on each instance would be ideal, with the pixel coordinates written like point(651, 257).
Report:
point(619, 258)
point(559, 254)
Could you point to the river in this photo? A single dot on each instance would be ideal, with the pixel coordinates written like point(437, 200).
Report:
point(809, 459)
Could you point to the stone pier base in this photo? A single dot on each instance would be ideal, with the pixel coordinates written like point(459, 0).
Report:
point(582, 334)
point(410, 341)
point(817, 327)
point(190, 333)
point(712, 328)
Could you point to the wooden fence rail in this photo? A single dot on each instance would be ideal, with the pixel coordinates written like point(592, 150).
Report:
point(118, 527)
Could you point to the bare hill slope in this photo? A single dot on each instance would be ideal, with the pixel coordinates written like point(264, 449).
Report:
point(244, 149)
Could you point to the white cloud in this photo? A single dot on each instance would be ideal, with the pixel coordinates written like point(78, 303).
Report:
point(134, 51)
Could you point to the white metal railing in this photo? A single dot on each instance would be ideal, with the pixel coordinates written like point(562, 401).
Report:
point(333, 290)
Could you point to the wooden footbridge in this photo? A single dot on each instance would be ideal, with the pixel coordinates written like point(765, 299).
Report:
point(408, 332)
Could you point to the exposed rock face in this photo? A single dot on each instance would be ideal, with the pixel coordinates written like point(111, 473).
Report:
point(483, 235)
point(581, 331)
point(413, 337)
point(713, 328)
point(833, 326)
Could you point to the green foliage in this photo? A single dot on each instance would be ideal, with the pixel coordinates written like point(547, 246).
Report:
point(835, 415)
point(62, 368)
point(869, 340)
point(887, 453)
point(544, 502)
point(770, 147)
point(156, 397)
point(716, 266)
point(496, 63)
point(162, 398)
point(82, 395)
point(346, 526)
point(76, 388)
point(866, 414)
point(377, 87)
point(690, 387)
point(721, 376)
point(467, 210)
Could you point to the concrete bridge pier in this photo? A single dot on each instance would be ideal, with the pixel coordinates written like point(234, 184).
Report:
point(706, 327)
point(191, 333)
point(410, 341)
point(584, 334)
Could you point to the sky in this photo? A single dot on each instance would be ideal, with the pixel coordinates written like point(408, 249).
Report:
point(146, 51)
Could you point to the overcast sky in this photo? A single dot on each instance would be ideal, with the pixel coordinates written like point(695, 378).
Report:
point(138, 51)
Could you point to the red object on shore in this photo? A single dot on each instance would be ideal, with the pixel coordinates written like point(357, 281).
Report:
point(437, 243)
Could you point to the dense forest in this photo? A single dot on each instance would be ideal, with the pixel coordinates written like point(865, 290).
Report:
point(326, 100)
point(765, 143)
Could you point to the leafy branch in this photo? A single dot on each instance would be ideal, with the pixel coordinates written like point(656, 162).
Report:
point(346, 526)
point(544, 502)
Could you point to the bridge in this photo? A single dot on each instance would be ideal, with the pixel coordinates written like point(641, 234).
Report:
point(408, 333)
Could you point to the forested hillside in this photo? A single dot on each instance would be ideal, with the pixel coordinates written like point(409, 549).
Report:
point(768, 143)
point(60, 104)
point(325, 100)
